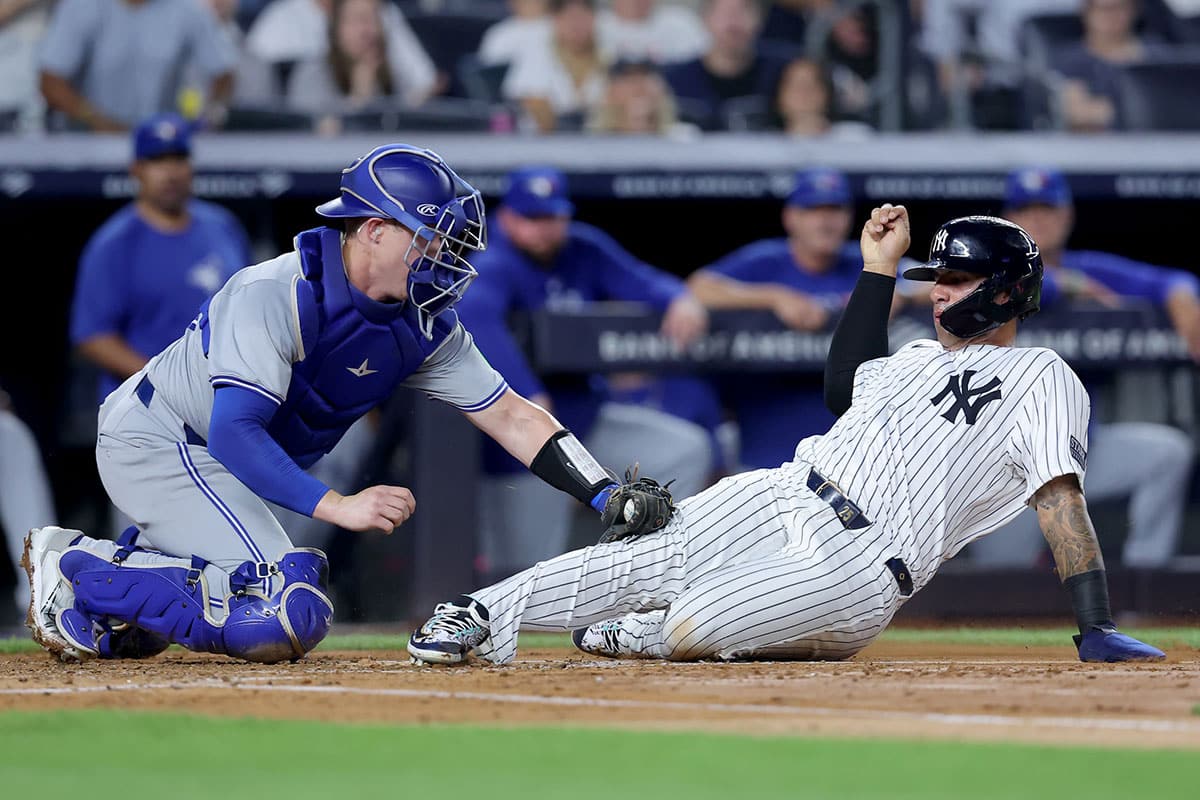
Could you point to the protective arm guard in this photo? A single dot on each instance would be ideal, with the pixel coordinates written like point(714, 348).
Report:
point(170, 598)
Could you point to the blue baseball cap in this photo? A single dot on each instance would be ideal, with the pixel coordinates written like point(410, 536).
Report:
point(538, 192)
point(1036, 186)
point(162, 135)
point(820, 186)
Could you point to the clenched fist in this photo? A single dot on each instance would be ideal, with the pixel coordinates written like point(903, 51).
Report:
point(885, 239)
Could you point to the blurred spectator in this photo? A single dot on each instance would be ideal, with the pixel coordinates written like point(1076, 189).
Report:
point(975, 41)
point(647, 29)
point(253, 83)
point(731, 67)
point(26, 500)
point(637, 100)
point(292, 31)
point(1148, 463)
point(852, 55)
point(565, 76)
point(1091, 67)
point(787, 20)
point(803, 102)
point(527, 28)
point(538, 257)
point(803, 279)
point(106, 64)
point(356, 71)
point(22, 25)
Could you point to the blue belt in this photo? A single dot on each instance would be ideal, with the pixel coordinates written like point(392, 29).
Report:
point(145, 393)
point(850, 514)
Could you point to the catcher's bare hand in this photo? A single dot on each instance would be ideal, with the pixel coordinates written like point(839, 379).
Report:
point(885, 239)
point(636, 507)
point(376, 508)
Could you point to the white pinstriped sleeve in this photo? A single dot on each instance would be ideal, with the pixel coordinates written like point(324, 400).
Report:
point(1051, 438)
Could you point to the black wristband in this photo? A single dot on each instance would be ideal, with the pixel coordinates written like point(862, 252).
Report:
point(553, 465)
point(1089, 598)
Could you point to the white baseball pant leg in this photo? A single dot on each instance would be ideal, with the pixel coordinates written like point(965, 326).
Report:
point(754, 565)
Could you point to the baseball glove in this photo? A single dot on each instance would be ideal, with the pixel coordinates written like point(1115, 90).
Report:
point(636, 507)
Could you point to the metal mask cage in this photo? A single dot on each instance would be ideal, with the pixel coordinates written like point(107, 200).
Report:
point(439, 277)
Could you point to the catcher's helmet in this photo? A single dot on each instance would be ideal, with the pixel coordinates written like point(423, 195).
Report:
point(998, 250)
point(416, 188)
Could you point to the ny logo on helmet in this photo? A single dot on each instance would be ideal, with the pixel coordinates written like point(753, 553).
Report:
point(939, 241)
point(970, 401)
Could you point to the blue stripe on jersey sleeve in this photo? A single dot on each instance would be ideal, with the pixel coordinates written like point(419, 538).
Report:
point(488, 401)
point(230, 380)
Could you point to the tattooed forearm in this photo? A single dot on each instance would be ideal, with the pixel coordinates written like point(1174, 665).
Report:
point(1062, 513)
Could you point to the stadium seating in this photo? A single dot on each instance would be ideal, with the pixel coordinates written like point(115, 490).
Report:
point(258, 118)
point(437, 114)
point(1161, 95)
point(448, 36)
point(480, 81)
point(1041, 34)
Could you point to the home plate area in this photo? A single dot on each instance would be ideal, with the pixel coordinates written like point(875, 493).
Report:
point(965, 692)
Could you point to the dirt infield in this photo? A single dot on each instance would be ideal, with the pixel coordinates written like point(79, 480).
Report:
point(891, 689)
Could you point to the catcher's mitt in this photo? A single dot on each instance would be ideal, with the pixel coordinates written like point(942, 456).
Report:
point(636, 507)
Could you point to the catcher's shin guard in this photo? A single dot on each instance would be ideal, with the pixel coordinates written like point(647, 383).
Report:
point(171, 600)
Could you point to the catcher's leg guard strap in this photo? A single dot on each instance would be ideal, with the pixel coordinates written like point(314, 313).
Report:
point(168, 598)
point(172, 601)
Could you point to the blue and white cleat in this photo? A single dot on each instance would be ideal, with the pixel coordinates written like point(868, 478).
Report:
point(51, 597)
point(607, 638)
point(455, 629)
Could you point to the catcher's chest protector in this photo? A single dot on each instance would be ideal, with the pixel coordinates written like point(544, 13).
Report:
point(356, 351)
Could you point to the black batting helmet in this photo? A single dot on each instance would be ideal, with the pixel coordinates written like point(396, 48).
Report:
point(1003, 253)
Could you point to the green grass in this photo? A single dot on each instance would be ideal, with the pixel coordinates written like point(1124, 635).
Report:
point(1166, 638)
point(99, 755)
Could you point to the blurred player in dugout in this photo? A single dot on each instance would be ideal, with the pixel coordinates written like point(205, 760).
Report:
point(803, 278)
point(1148, 463)
point(146, 271)
point(540, 257)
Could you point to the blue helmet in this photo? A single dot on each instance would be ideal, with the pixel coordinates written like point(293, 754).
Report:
point(416, 188)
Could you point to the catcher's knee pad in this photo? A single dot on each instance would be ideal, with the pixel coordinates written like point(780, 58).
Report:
point(169, 599)
point(288, 624)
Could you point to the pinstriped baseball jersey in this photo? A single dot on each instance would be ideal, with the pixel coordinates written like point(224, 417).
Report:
point(938, 447)
point(943, 446)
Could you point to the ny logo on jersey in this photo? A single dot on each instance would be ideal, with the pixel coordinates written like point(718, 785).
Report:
point(970, 401)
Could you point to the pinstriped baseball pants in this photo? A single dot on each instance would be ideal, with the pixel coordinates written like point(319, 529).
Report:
point(755, 566)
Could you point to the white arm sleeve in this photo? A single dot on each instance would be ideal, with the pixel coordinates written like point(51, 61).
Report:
point(1051, 436)
point(254, 336)
point(458, 374)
